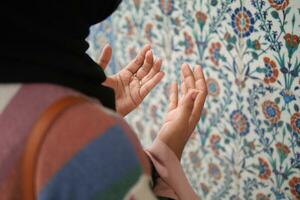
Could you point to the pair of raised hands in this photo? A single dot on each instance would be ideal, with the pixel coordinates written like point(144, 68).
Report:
point(140, 76)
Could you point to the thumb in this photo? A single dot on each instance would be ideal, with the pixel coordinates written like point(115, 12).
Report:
point(187, 106)
point(105, 56)
point(109, 82)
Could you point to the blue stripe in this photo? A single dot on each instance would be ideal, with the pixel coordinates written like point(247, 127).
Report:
point(93, 169)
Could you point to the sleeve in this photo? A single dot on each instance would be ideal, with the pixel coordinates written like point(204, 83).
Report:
point(171, 181)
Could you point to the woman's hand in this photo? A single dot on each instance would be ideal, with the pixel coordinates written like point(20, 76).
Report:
point(184, 113)
point(135, 81)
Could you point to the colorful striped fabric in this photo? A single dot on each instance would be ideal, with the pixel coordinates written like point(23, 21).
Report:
point(89, 153)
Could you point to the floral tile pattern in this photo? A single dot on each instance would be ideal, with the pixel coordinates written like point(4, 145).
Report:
point(247, 143)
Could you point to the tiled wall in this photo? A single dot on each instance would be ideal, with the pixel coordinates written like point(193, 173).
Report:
point(247, 144)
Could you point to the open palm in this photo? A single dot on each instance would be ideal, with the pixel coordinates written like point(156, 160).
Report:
point(184, 113)
point(135, 81)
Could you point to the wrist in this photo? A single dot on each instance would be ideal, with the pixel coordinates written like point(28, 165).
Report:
point(121, 112)
point(175, 144)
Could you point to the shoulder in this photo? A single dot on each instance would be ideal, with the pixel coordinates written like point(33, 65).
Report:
point(85, 145)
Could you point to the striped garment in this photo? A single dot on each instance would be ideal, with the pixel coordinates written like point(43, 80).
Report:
point(89, 152)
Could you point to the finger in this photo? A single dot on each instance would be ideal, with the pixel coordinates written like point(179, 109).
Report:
point(183, 86)
point(148, 64)
point(187, 106)
point(173, 97)
point(136, 63)
point(200, 79)
point(188, 76)
point(109, 82)
point(105, 56)
point(197, 109)
point(154, 70)
point(148, 86)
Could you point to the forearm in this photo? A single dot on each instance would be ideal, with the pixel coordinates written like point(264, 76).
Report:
point(170, 180)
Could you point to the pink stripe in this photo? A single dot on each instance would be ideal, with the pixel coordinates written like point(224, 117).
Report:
point(18, 117)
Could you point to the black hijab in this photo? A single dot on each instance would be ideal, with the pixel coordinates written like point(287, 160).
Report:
point(43, 41)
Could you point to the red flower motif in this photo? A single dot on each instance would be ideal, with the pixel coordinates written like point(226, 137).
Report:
point(271, 111)
point(148, 31)
point(177, 21)
point(242, 17)
point(201, 17)
point(239, 122)
point(214, 140)
point(256, 45)
point(130, 27)
point(272, 72)
point(227, 36)
point(282, 149)
point(204, 188)
point(294, 184)
point(252, 145)
point(203, 113)
point(261, 196)
point(295, 122)
point(166, 6)
point(295, 39)
point(240, 83)
point(214, 52)
point(189, 45)
point(264, 169)
point(291, 40)
point(279, 5)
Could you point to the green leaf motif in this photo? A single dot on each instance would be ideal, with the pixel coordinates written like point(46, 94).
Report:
point(288, 10)
point(280, 123)
point(275, 14)
point(289, 128)
point(255, 55)
point(296, 107)
point(293, 20)
point(249, 43)
point(260, 70)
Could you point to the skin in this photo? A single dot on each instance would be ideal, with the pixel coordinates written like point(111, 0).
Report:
point(184, 112)
point(140, 76)
point(135, 81)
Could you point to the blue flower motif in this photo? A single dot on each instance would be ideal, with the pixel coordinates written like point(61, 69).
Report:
point(271, 111)
point(242, 22)
point(287, 96)
point(213, 87)
point(278, 194)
